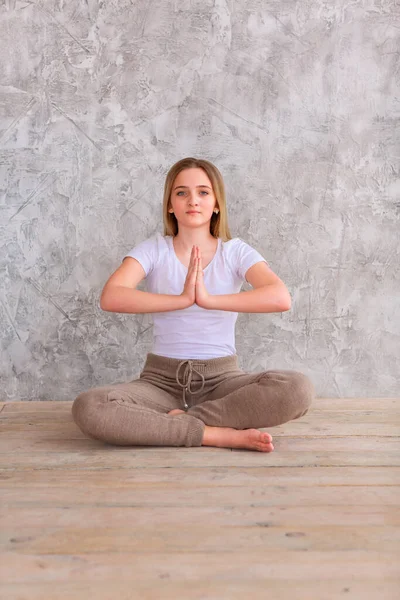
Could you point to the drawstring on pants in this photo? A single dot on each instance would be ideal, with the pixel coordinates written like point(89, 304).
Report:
point(187, 378)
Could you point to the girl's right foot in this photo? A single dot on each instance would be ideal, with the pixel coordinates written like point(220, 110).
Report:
point(175, 411)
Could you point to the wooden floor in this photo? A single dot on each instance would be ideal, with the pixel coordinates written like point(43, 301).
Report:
point(317, 519)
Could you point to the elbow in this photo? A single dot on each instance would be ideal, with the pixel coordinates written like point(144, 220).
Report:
point(117, 298)
point(286, 302)
point(285, 307)
point(104, 305)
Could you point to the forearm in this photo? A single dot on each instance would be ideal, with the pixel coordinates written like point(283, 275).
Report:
point(122, 299)
point(266, 299)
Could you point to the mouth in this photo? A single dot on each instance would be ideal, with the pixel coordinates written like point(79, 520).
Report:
point(192, 212)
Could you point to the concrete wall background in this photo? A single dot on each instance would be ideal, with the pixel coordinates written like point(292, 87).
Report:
point(297, 103)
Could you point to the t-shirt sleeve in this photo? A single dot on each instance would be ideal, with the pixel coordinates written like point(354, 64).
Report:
point(146, 253)
point(245, 257)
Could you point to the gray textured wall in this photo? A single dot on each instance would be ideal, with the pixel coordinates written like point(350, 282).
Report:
point(297, 103)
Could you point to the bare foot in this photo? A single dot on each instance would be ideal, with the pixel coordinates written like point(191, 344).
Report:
point(227, 437)
point(175, 411)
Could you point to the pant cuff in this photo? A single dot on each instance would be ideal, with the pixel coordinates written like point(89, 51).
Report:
point(195, 430)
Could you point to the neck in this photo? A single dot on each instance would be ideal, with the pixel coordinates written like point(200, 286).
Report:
point(185, 240)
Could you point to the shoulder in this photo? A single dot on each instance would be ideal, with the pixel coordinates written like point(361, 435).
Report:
point(149, 251)
point(153, 243)
point(154, 240)
point(231, 245)
point(242, 256)
point(231, 253)
point(236, 246)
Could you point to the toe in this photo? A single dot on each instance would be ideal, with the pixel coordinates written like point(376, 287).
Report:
point(265, 448)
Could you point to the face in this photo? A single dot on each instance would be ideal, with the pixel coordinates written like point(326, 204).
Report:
point(192, 191)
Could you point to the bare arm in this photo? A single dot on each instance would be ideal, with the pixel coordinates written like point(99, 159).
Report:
point(270, 294)
point(120, 294)
point(265, 299)
point(118, 298)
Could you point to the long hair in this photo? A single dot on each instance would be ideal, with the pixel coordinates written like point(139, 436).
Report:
point(219, 222)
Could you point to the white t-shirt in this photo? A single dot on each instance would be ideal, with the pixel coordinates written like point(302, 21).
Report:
point(194, 332)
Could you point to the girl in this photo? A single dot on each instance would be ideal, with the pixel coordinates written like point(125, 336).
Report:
point(191, 391)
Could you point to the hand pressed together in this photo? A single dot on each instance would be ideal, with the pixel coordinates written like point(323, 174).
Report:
point(194, 289)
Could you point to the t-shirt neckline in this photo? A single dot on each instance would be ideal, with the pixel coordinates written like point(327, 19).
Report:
point(171, 244)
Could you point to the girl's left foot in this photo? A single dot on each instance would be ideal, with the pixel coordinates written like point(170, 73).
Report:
point(227, 437)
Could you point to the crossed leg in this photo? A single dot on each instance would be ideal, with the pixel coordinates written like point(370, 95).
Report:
point(134, 414)
point(137, 413)
point(243, 402)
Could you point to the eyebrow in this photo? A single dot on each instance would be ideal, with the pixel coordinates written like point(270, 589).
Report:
point(185, 186)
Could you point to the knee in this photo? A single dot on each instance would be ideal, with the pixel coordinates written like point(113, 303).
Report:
point(85, 411)
point(293, 390)
point(303, 393)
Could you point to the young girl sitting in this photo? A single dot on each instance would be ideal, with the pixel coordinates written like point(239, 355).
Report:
point(191, 391)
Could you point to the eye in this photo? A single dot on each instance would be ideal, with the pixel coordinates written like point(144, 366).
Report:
point(202, 192)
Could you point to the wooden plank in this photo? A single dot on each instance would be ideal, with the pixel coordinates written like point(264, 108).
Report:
point(195, 537)
point(342, 404)
point(199, 477)
point(327, 426)
point(227, 515)
point(59, 443)
point(197, 567)
point(179, 495)
point(352, 589)
point(147, 457)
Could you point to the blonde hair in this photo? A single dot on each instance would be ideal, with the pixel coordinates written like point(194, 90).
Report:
point(219, 222)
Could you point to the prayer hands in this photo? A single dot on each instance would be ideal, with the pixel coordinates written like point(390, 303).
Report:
point(203, 298)
point(194, 288)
